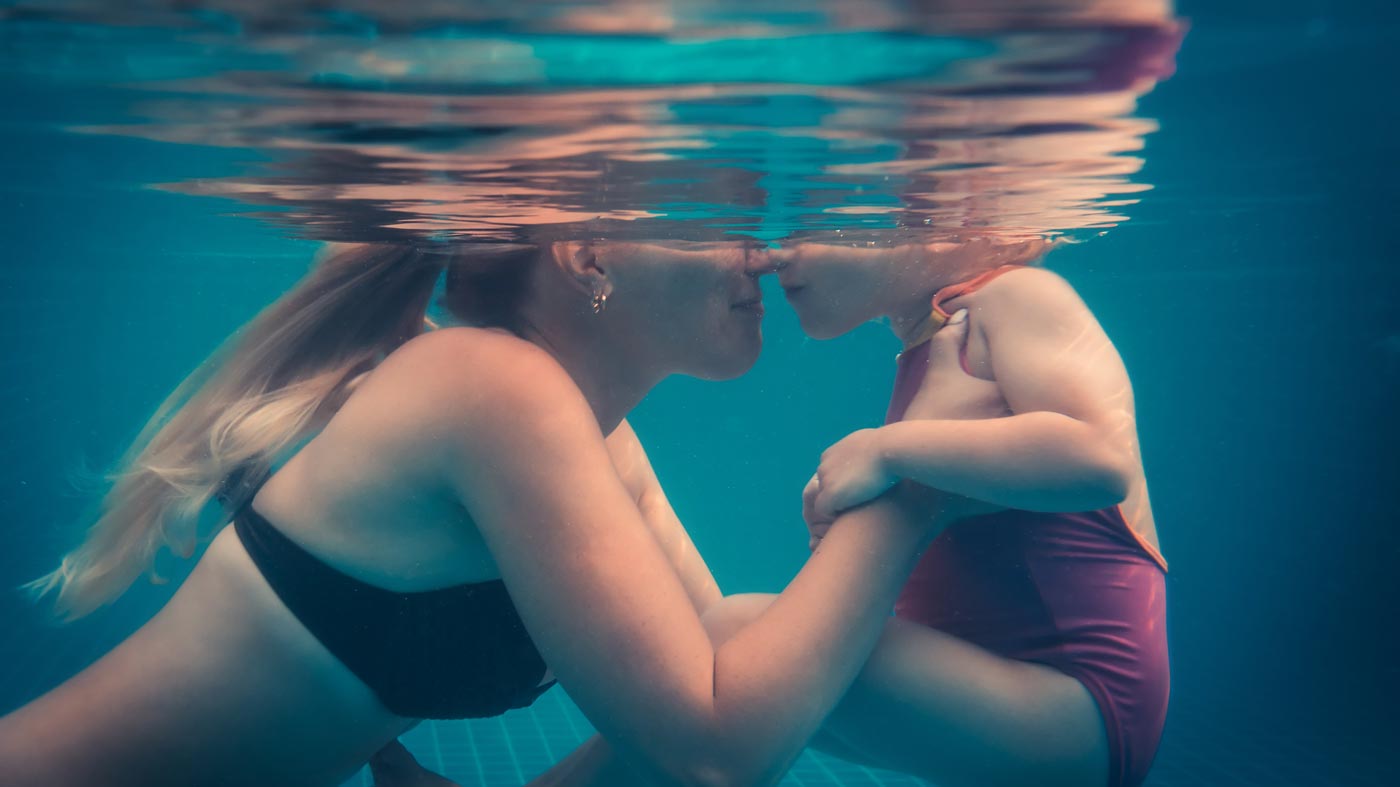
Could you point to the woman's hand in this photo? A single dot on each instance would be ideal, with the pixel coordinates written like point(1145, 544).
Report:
point(918, 504)
point(853, 471)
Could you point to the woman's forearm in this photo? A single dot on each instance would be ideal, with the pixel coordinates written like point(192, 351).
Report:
point(777, 678)
point(1038, 461)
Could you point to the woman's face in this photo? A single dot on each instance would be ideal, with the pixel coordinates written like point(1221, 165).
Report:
point(693, 307)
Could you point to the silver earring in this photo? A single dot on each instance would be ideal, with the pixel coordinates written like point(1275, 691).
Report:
point(600, 301)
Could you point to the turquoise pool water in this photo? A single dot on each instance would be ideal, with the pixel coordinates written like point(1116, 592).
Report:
point(168, 171)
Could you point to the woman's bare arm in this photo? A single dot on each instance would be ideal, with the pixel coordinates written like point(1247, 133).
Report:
point(608, 611)
point(637, 474)
point(594, 762)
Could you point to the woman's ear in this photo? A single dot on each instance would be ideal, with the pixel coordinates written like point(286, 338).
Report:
point(578, 261)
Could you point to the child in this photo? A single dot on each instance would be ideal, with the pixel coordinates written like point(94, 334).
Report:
point(1067, 573)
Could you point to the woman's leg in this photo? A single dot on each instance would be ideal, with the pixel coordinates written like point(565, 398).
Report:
point(935, 706)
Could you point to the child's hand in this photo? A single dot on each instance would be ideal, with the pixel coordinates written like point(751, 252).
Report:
point(852, 472)
point(816, 525)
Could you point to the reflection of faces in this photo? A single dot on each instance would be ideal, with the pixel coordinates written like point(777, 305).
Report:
point(695, 307)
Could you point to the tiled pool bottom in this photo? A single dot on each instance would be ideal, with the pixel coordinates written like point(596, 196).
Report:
point(1201, 748)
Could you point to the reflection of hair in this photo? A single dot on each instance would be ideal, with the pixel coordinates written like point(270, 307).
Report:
point(268, 388)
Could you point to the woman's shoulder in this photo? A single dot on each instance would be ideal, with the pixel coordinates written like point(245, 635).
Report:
point(473, 353)
point(461, 369)
point(459, 342)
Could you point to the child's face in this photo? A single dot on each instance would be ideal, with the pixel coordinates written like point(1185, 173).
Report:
point(836, 286)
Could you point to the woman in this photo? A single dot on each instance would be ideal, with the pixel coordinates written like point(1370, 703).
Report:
point(363, 586)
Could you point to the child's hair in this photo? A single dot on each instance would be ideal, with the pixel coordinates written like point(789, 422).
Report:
point(1027, 251)
point(265, 390)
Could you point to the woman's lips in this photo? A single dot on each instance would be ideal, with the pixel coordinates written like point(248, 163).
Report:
point(753, 305)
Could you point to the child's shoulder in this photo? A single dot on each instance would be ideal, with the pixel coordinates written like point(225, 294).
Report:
point(1027, 288)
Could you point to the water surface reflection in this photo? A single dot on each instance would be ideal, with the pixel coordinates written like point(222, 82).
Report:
point(473, 122)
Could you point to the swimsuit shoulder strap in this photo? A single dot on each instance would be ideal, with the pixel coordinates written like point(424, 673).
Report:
point(966, 288)
point(939, 316)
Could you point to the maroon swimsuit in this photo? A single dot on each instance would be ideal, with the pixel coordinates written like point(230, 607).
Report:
point(1080, 592)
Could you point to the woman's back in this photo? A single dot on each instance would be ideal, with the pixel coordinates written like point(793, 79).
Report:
point(363, 497)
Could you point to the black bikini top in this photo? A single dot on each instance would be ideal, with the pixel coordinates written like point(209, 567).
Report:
point(458, 652)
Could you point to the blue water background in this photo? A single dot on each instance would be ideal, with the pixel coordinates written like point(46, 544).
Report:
point(1252, 295)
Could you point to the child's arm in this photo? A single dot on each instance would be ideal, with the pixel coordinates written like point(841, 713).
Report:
point(1070, 443)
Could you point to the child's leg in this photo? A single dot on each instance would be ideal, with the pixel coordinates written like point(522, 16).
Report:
point(937, 707)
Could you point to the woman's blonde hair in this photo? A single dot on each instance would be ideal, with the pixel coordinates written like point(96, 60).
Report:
point(264, 391)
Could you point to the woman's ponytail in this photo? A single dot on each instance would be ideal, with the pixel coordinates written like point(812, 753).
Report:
point(270, 386)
